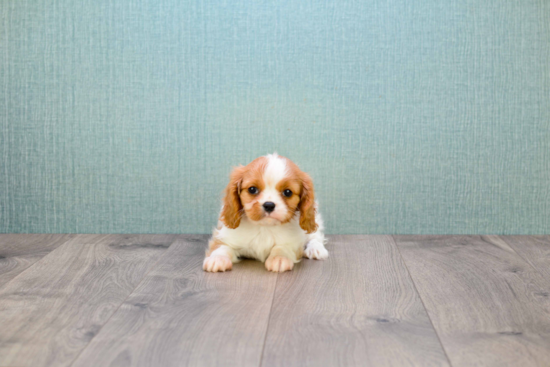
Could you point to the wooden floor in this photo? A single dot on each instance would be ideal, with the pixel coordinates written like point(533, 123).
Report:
point(143, 300)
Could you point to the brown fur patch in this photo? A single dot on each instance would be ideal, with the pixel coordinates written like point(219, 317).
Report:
point(293, 184)
point(232, 207)
point(256, 212)
point(253, 176)
point(307, 197)
point(307, 205)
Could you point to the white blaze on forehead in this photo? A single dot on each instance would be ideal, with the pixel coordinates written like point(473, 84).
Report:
point(275, 170)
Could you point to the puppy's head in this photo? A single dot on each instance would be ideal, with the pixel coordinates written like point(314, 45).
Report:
point(270, 190)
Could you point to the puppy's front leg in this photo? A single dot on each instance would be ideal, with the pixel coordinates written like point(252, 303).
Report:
point(315, 249)
point(219, 257)
point(280, 259)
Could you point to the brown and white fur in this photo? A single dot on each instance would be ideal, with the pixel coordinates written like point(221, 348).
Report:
point(279, 235)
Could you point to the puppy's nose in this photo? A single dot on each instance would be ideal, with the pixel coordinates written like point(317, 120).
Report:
point(269, 206)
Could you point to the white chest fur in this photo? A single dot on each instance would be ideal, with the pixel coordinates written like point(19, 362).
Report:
point(256, 241)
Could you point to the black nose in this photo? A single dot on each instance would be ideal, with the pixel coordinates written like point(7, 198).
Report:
point(269, 206)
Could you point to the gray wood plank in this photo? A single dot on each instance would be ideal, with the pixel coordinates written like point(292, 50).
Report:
point(358, 308)
point(489, 307)
point(20, 251)
point(50, 312)
point(533, 249)
point(183, 316)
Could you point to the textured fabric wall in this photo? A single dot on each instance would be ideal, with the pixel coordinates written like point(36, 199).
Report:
point(412, 116)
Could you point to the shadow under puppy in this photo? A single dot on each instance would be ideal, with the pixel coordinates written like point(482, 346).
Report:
point(269, 213)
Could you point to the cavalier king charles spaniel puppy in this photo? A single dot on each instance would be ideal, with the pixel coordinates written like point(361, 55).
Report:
point(269, 213)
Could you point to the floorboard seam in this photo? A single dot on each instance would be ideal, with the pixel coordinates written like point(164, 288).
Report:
point(36, 262)
point(268, 320)
point(121, 303)
point(421, 300)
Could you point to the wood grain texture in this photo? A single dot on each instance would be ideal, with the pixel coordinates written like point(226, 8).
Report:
point(134, 300)
point(50, 312)
point(358, 308)
point(183, 316)
point(489, 306)
point(20, 251)
point(533, 249)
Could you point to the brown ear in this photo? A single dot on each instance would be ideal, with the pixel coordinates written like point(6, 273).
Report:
point(232, 207)
point(307, 205)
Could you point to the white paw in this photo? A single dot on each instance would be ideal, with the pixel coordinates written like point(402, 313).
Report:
point(316, 250)
point(217, 263)
point(278, 264)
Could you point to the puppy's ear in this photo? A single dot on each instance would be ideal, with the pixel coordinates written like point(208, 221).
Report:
point(232, 206)
point(307, 205)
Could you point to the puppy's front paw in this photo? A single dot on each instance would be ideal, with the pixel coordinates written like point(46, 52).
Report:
point(316, 250)
point(278, 264)
point(217, 263)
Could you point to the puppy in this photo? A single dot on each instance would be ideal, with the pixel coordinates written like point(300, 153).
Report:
point(269, 213)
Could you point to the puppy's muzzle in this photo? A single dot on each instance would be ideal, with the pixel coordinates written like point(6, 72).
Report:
point(269, 206)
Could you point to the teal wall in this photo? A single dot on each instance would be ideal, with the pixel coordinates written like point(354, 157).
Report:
point(412, 116)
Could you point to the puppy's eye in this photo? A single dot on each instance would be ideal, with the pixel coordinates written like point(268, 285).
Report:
point(287, 193)
point(253, 190)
